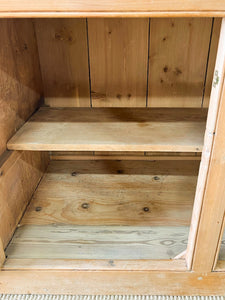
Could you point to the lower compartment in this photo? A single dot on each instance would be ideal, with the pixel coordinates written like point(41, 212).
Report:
point(108, 210)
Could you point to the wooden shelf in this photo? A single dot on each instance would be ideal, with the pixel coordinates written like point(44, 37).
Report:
point(112, 129)
point(108, 210)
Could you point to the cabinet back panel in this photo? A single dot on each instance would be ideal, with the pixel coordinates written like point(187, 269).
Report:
point(130, 62)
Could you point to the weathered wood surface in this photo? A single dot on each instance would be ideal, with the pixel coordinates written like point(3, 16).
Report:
point(86, 129)
point(115, 193)
point(97, 242)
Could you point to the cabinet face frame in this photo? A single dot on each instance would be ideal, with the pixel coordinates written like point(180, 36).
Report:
point(116, 8)
point(209, 206)
point(206, 228)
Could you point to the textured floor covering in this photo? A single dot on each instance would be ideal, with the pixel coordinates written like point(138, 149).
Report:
point(117, 297)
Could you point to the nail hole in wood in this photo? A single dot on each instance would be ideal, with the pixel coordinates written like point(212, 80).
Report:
point(38, 208)
point(85, 205)
point(145, 209)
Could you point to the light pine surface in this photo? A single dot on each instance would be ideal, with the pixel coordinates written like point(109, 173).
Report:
point(103, 7)
point(63, 54)
point(86, 129)
point(176, 71)
point(75, 200)
point(118, 61)
point(115, 193)
point(209, 206)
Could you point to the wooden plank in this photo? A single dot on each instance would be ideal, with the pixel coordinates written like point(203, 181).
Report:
point(89, 193)
point(111, 129)
point(20, 175)
point(2, 254)
point(62, 45)
point(112, 14)
point(20, 80)
point(94, 265)
point(209, 203)
point(176, 71)
point(118, 62)
point(115, 282)
point(58, 241)
point(212, 60)
point(197, 6)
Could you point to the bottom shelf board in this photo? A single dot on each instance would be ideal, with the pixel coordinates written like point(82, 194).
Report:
point(108, 210)
point(143, 193)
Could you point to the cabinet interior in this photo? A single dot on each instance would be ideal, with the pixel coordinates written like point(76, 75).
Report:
point(101, 135)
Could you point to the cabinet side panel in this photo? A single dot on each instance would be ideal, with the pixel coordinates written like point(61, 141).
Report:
point(20, 174)
point(20, 79)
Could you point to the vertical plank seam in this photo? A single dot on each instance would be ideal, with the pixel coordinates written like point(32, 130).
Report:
point(148, 56)
point(89, 65)
point(207, 63)
point(42, 96)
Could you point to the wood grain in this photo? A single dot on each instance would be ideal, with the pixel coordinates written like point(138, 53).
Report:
point(177, 64)
point(212, 60)
point(20, 175)
point(97, 242)
point(208, 211)
point(2, 253)
point(118, 62)
point(208, 7)
point(115, 193)
point(112, 130)
point(94, 265)
point(62, 45)
point(154, 282)
point(20, 79)
point(213, 209)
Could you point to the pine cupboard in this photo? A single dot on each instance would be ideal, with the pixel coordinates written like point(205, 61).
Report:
point(112, 147)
